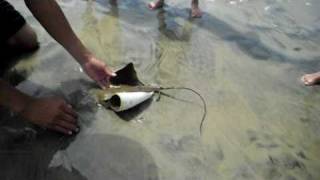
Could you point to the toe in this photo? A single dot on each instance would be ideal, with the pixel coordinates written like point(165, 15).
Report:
point(304, 80)
point(151, 5)
point(307, 81)
point(195, 13)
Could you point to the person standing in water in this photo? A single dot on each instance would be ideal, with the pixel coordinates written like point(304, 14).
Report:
point(195, 10)
point(15, 34)
point(311, 79)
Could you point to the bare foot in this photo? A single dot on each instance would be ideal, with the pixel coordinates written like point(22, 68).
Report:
point(311, 79)
point(156, 5)
point(195, 11)
point(113, 2)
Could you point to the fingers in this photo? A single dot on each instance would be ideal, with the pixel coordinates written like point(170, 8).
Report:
point(109, 72)
point(103, 77)
point(99, 72)
point(104, 83)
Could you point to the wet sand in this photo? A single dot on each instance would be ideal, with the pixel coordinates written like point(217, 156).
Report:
point(245, 58)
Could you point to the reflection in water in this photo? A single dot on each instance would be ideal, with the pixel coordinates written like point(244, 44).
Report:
point(102, 34)
point(43, 158)
point(116, 158)
point(172, 47)
point(45, 155)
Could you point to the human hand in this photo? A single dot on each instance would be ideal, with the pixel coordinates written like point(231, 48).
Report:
point(52, 113)
point(98, 71)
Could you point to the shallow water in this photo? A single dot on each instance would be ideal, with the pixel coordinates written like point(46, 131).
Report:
point(244, 57)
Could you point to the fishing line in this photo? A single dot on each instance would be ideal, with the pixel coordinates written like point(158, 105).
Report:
point(197, 93)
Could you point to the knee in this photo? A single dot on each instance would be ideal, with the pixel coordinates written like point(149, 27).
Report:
point(31, 42)
point(25, 39)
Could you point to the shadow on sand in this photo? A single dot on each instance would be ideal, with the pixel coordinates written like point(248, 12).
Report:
point(28, 152)
point(249, 42)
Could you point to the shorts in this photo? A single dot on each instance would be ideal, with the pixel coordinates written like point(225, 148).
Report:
point(11, 21)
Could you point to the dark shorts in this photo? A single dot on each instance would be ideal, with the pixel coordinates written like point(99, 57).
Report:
point(11, 21)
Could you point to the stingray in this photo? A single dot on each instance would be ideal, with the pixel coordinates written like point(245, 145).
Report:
point(127, 81)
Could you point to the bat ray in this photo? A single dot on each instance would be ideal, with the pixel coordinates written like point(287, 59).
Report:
point(127, 81)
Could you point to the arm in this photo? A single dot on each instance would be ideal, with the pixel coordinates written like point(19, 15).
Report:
point(52, 113)
point(51, 17)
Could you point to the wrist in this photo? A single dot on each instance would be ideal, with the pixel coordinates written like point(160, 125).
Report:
point(81, 54)
point(84, 58)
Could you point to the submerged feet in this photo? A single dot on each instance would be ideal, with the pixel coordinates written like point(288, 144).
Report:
point(113, 2)
point(156, 5)
point(195, 10)
point(311, 79)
